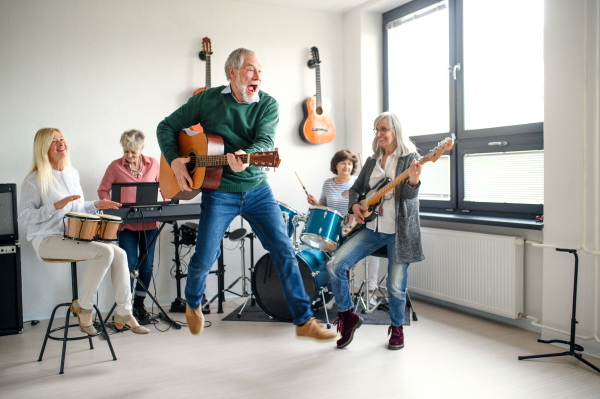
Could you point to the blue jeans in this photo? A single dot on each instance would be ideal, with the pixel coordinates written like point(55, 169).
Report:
point(364, 243)
point(259, 208)
point(135, 244)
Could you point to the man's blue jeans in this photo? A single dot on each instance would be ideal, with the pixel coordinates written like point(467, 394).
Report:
point(259, 208)
point(135, 244)
point(364, 243)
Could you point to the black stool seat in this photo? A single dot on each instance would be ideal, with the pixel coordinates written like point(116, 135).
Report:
point(101, 328)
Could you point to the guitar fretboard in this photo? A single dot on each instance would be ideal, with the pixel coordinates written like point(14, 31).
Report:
point(208, 77)
point(318, 73)
point(216, 160)
point(376, 196)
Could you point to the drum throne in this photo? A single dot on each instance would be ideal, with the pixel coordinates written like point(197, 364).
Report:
point(100, 327)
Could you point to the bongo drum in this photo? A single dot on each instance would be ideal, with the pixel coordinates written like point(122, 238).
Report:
point(81, 226)
point(109, 226)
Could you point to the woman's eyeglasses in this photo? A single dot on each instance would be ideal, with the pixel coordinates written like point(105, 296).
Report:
point(381, 130)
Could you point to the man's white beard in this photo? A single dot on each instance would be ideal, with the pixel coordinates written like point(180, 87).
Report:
point(243, 92)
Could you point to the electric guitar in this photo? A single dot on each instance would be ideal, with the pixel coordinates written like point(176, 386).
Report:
point(372, 200)
point(206, 164)
point(204, 56)
point(317, 126)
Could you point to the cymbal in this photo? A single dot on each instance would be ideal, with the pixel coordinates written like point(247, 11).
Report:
point(237, 235)
point(346, 194)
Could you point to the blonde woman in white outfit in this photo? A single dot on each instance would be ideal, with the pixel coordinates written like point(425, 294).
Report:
point(48, 193)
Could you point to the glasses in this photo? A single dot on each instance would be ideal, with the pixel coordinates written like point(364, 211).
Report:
point(382, 130)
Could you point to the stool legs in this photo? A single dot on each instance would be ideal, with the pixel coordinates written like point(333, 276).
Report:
point(105, 333)
point(66, 327)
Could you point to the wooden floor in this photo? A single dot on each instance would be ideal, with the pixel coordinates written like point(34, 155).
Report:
point(447, 354)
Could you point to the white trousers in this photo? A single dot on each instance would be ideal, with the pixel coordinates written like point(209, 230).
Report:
point(102, 257)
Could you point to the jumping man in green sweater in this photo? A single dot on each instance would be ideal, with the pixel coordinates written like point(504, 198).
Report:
point(247, 120)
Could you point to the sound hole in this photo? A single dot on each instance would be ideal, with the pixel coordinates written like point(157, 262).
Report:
point(191, 166)
point(319, 111)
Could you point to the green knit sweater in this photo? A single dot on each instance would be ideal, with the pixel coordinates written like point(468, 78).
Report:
point(248, 127)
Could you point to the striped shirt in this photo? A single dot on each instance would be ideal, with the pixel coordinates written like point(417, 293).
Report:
point(331, 194)
point(38, 213)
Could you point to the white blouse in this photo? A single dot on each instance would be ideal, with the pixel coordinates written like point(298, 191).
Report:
point(37, 212)
point(385, 223)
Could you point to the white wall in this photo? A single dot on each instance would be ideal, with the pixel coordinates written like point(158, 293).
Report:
point(572, 113)
point(95, 69)
point(571, 136)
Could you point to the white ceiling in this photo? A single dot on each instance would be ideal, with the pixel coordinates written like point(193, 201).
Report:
point(337, 6)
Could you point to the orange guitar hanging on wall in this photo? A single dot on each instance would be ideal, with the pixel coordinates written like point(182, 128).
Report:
point(317, 126)
point(204, 56)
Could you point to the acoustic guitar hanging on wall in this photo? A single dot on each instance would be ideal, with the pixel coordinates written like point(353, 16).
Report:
point(317, 126)
point(204, 56)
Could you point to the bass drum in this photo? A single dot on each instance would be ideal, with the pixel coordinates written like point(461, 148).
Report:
point(267, 289)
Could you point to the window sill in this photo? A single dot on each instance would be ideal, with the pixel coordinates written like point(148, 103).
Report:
point(487, 220)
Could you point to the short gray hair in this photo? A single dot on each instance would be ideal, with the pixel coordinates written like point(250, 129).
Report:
point(403, 143)
point(236, 60)
point(132, 139)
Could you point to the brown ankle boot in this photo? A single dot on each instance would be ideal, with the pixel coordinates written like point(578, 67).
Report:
point(347, 322)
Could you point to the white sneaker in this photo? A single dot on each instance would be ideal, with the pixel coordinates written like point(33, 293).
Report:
point(330, 304)
point(373, 300)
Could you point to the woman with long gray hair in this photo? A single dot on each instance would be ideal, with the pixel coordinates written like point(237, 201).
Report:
point(396, 225)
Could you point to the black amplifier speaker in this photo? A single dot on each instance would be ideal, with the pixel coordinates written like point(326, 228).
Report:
point(11, 307)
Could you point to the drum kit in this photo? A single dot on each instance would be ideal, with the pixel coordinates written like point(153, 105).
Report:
point(86, 227)
point(320, 236)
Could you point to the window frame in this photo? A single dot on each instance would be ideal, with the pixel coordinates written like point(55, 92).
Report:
point(520, 137)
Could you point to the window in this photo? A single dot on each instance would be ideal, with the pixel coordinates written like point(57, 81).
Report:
point(472, 68)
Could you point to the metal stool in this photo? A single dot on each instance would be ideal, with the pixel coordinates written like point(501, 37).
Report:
point(65, 338)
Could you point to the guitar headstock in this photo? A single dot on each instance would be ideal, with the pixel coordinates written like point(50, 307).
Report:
point(206, 49)
point(315, 57)
point(268, 159)
point(206, 46)
point(437, 152)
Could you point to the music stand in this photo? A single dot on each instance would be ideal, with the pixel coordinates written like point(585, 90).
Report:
point(571, 342)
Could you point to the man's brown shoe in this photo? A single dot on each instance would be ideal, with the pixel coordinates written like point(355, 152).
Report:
point(313, 329)
point(195, 320)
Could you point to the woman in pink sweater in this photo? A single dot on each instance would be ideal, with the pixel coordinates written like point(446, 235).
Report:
point(134, 237)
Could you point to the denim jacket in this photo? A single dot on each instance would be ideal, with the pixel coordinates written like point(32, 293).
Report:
point(408, 248)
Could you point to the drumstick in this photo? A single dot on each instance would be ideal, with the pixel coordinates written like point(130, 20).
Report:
point(301, 183)
point(360, 159)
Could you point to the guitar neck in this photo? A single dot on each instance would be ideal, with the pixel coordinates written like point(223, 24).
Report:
point(376, 196)
point(217, 160)
point(208, 77)
point(318, 73)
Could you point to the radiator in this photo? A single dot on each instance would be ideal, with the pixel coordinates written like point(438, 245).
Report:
point(479, 271)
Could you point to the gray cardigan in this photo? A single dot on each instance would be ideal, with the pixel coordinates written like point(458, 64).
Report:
point(408, 248)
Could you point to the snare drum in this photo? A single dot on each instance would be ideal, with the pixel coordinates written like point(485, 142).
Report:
point(109, 226)
point(288, 214)
point(81, 226)
point(322, 229)
point(266, 285)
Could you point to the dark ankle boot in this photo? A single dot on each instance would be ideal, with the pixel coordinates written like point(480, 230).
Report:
point(347, 322)
point(396, 338)
point(139, 310)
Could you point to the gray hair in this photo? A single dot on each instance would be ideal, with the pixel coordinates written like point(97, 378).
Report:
point(403, 143)
point(236, 60)
point(132, 139)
